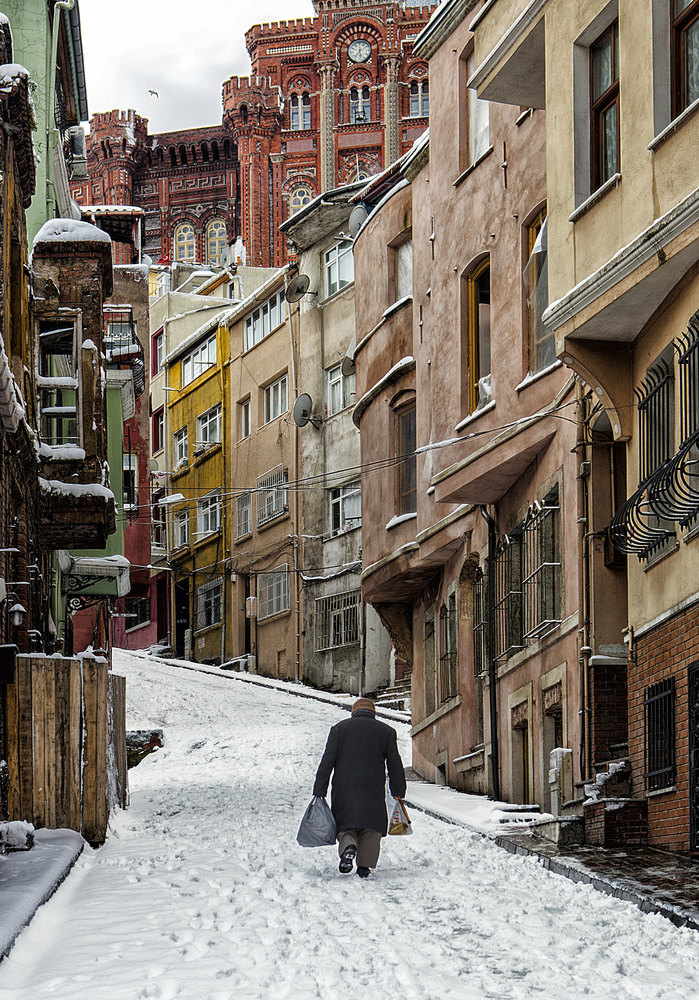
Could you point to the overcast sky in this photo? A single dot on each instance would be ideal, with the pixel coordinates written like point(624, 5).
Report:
point(183, 49)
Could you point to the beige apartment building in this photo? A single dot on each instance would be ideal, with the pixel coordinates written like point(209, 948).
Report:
point(620, 86)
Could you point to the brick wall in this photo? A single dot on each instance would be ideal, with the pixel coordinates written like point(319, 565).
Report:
point(666, 651)
point(616, 822)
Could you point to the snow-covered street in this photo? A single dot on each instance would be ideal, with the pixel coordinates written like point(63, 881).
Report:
point(201, 891)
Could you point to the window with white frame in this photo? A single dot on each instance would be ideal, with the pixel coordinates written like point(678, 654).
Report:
point(273, 592)
point(419, 99)
point(184, 242)
point(180, 448)
point(276, 401)
point(209, 513)
point(158, 523)
point(210, 603)
point(158, 352)
point(477, 120)
point(181, 528)
point(244, 514)
point(338, 266)
point(345, 508)
point(244, 421)
point(209, 427)
point(403, 270)
point(299, 112)
point(272, 495)
point(341, 389)
point(264, 319)
point(158, 427)
point(337, 620)
point(201, 358)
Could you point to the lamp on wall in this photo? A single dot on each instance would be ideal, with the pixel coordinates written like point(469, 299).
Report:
point(17, 613)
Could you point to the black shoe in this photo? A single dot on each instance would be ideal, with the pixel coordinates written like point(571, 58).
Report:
point(347, 859)
point(363, 872)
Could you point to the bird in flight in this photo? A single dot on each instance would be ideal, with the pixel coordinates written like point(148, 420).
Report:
point(154, 92)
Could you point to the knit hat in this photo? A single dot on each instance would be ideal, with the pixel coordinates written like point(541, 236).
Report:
point(364, 705)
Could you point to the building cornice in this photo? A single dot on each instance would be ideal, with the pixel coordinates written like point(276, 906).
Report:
point(627, 260)
point(443, 22)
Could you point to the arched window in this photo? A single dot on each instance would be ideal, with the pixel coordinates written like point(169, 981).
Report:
point(300, 196)
point(183, 156)
point(215, 241)
point(360, 109)
point(184, 241)
point(294, 112)
point(299, 112)
point(419, 99)
point(305, 111)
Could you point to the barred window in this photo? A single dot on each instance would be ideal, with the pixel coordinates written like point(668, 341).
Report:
point(137, 611)
point(448, 658)
point(337, 621)
point(659, 706)
point(272, 495)
point(244, 512)
point(273, 592)
point(480, 623)
point(210, 603)
point(542, 567)
point(508, 595)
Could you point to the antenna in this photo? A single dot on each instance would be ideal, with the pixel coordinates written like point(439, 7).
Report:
point(301, 413)
point(357, 219)
point(297, 288)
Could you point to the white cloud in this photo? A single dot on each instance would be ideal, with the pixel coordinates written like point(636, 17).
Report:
point(182, 50)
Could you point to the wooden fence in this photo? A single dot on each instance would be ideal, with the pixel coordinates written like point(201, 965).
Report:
point(66, 744)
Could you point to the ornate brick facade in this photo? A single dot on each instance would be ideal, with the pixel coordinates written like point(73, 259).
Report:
point(331, 98)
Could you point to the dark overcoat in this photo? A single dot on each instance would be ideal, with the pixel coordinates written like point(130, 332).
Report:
point(358, 752)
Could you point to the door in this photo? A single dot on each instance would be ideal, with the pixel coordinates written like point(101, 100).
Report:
point(181, 615)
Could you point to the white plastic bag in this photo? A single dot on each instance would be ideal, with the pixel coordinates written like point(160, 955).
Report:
point(318, 828)
point(399, 822)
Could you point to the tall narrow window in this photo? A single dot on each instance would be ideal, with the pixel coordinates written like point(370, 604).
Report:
point(294, 112)
point(215, 240)
point(419, 99)
point(448, 659)
point(659, 706)
point(339, 267)
point(478, 382)
point(541, 567)
point(406, 480)
point(478, 120)
point(541, 343)
point(130, 483)
point(604, 110)
point(305, 112)
point(685, 54)
point(360, 105)
point(184, 242)
point(276, 399)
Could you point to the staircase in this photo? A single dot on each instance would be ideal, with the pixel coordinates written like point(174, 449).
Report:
point(396, 697)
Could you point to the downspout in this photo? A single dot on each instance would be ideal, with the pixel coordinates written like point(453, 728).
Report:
point(584, 583)
point(492, 669)
point(297, 531)
point(51, 129)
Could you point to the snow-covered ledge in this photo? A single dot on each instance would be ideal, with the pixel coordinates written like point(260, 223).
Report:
point(406, 364)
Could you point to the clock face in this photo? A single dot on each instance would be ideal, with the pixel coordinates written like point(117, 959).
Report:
point(359, 51)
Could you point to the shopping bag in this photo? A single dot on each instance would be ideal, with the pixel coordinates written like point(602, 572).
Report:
point(399, 823)
point(317, 827)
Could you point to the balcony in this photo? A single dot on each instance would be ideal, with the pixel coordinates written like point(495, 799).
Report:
point(510, 51)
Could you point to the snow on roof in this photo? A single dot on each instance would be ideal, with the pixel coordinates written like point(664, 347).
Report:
point(111, 210)
point(10, 73)
point(75, 489)
point(70, 230)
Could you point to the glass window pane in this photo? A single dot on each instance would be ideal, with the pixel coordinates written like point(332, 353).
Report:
point(691, 67)
point(609, 142)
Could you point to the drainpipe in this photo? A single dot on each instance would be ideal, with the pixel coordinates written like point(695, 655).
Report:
point(51, 129)
point(492, 670)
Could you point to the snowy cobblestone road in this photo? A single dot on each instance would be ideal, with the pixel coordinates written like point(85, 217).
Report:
point(202, 893)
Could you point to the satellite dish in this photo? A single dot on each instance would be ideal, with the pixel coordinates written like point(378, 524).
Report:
point(301, 412)
point(357, 219)
point(297, 288)
point(348, 366)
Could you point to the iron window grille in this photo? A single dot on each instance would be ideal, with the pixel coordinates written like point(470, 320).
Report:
point(480, 623)
point(685, 478)
point(272, 495)
point(273, 592)
point(137, 612)
point(337, 620)
point(508, 596)
point(541, 568)
point(448, 658)
point(659, 709)
point(210, 603)
point(244, 514)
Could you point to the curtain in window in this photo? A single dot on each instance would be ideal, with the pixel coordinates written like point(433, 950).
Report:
point(691, 44)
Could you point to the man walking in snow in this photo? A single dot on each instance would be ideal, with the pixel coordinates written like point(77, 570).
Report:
point(357, 754)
